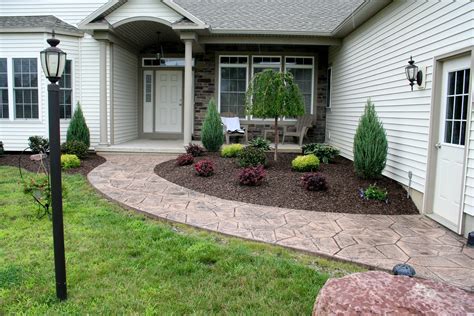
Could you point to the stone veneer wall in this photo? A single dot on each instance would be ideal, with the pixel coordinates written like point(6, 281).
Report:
point(205, 83)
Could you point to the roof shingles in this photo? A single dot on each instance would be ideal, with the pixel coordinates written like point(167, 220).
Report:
point(36, 21)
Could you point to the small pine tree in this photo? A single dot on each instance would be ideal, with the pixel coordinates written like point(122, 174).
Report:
point(370, 145)
point(212, 135)
point(78, 129)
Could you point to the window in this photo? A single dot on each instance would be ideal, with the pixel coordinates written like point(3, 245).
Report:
point(3, 88)
point(25, 88)
point(65, 94)
point(328, 90)
point(233, 72)
point(260, 63)
point(456, 107)
point(302, 70)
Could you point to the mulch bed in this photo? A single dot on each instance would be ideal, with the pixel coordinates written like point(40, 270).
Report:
point(87, 164)
point(282, 187)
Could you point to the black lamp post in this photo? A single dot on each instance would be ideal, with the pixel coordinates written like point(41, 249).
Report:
point(53, 61)
point(413, 74)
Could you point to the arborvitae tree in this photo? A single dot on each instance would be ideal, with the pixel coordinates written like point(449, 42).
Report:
point(274, 95)
point(78, 129)
point(212, 134)
point(370, 145)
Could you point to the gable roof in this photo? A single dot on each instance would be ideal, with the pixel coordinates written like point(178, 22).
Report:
point(315, 17)
point(37, 23)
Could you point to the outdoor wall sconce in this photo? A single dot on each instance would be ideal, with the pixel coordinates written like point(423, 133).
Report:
point(413, 74)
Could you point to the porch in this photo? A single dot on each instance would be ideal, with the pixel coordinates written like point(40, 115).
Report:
point(161, 146)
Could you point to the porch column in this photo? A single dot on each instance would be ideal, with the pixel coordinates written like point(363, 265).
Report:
point(188, 86)
point(103, 93)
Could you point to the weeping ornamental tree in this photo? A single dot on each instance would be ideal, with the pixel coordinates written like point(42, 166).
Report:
point(78, 129)
point(212, 134)
point(274, 95)
point(370, 145)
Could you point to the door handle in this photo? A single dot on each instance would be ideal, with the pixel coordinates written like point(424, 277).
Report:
point(180, 102)
point(438, 145)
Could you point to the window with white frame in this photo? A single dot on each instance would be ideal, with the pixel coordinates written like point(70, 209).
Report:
point(302, 69)
point(260, 63)
point(233, 74)
point(328, 88)
point(25, 88)
point(65, 93)
point(3, 89)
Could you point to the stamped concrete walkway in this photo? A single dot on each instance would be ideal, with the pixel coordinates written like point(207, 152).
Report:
point(377, 240)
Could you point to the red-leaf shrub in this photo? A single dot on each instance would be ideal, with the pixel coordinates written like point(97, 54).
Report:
point(314, 182)
point(252, 176)
point(184, 160)
point(194, 149)
point(204, 168)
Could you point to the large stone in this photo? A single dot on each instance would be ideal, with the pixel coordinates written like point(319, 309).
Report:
point(380, 293)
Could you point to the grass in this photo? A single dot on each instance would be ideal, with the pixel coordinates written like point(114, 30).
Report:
point(119, 262)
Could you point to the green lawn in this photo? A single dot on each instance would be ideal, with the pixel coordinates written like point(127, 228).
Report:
point(121, 262)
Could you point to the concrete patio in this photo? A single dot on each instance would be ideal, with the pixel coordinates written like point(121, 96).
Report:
point(380, 241)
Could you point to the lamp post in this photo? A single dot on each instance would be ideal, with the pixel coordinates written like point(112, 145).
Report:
point(53, 61)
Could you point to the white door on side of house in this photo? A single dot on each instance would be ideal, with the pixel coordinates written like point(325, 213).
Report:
point(452, 138)
point(168, 101)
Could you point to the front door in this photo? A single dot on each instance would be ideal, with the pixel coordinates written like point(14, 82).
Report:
point(452, 138)
point(168, 101)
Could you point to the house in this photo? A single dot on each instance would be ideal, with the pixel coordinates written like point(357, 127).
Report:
point(146, 69)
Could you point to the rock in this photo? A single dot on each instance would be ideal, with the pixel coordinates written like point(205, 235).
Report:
point(380, 293)
point(38, 157)
point(403, 269)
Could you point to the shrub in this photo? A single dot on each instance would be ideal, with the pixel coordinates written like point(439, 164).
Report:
point(231, 151)
point(78, 129)
point(370, 145)
point(305, 163)
point(75, 147)
point(2, 150)
point(373, 192)
point(184, 160)
point(38, 144)
point(70, 161)
point(260, 143)
point(325, 153)
point(204, 168)
point(314, 182)
point(252, 176)
point(252, 157)
point(194, 149)
point(212, 135)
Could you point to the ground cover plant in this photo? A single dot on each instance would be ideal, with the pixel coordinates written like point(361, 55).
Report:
point(38, 144)
point(75, 147)
point(252, 176)
point(325, 153)
point(305, 163)
point(119, 262)
point(231, 151)
point(204, 168)
point(184, 160)
point(251, 157)
point(70, 161)
point(194, 149)
point(261, 143)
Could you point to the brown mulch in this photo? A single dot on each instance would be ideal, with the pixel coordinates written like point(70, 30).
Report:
point(87, 164)
point(282, 187)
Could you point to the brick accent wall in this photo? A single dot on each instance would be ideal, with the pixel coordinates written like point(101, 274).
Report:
point(206, 83)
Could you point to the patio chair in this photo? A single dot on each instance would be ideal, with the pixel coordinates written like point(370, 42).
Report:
point(232, 127)
point(300, 129)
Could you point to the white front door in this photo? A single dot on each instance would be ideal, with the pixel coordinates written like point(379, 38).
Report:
point(168, 101)
point(447, 203)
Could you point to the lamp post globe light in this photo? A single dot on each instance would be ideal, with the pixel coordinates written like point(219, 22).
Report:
point(53, 61)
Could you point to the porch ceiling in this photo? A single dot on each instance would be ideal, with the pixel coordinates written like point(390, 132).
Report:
point(144, 36)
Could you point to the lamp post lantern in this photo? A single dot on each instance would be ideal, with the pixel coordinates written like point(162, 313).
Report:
point(53, 61)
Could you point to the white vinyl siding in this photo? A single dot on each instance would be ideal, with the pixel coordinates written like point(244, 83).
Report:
point(143, 8)
point(125, 90)
point(370, 64)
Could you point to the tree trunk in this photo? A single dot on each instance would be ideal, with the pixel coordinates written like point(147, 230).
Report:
point(276, 139)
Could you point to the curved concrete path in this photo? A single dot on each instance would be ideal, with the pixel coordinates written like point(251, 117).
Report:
point(377, 240)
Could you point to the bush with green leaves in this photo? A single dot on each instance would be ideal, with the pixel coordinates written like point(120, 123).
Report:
point(373, 192)
point(252, 157)
point(305, 163)
point(78, 129)
point(2, 150)
point(274, 95)
point(70, 161)
point(326, 153)
point(260, 143)
point(212, 134)
point(370, 145)
point(75, 147)
point(232, 150)
point(38, 144)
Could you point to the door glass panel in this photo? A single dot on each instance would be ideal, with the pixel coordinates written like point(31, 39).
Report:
point(456, 107)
